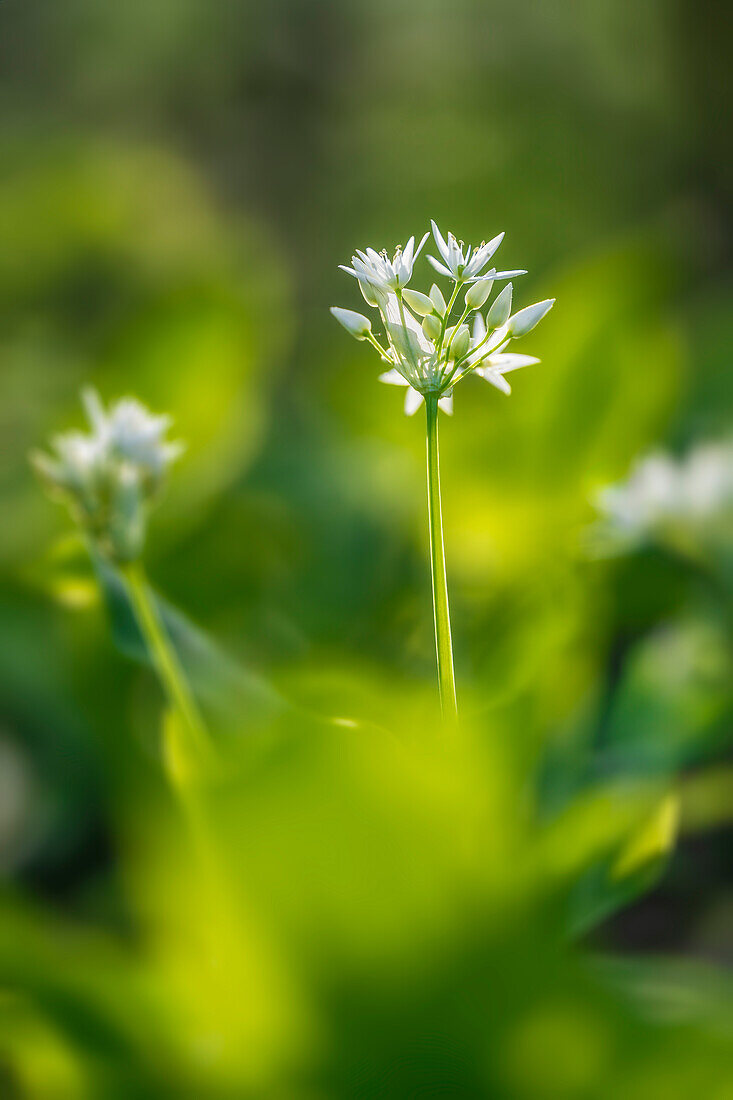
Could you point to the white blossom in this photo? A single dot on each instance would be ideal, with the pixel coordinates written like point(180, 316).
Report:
point(664, 497)
point(379, 272)
point(109, 477)
point(464, 264)
point(427, 350)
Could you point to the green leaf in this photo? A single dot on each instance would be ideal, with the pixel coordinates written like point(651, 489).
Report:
point(230, 693)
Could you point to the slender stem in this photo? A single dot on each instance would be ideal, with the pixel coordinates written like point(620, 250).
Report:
point(413, 358)
point(375, 344)
point(443, 644)
point(448, 310)
point(164, 656)
point(456, 327)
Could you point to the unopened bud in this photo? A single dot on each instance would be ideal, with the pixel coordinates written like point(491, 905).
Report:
point(431, 326)
point(419, 303)
point(478, 292)
point(356, 323)
point(459, 347)
point(527, 318)
point(368, 293)
point(498, 315)
point(438, 300)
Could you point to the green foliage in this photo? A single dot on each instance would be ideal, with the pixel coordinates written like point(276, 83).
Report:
point(346, 903)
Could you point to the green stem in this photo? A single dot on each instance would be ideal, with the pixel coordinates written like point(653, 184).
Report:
point(446, 316)
point(456, 327)
point(164, 657)
point(443, 644)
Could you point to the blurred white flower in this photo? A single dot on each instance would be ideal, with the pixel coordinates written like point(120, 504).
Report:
point(109, 477)
point(130, 433)
point(668, 497)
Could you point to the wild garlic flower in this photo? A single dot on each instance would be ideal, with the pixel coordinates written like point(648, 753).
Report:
point(109, 477)
point(669, 499)
point(463, 263)
point(428, 352)
point(377, 272)
point(425, 350)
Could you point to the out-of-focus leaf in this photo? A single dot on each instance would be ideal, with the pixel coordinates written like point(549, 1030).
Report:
point(236, 697)
point(672, 703)
point(613, 882)
point(654, 840)
point(673, 991)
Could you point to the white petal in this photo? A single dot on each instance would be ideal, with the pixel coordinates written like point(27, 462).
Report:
point(419, 248)
point(479, 328)
point(94, 408)
point(413, 401)
point(440, 242)
point(505, 363)
point(439, 267)
point(493, 244)
point(393, 378)
point(494, 378)
point(446, 404)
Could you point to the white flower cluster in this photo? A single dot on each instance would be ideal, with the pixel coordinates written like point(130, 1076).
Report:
point(426, 351)
point(664, 496)
point(109, 477)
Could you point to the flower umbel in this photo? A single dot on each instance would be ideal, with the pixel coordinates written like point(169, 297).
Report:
point(428, 352)
point(425, 349)
point(109, 478)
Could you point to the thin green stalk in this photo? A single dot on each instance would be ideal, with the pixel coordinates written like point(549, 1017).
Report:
point(164, 657)
point(443, 644)
point(456, 327)
point(446, 316)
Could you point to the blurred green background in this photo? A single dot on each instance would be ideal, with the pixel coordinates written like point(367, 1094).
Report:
point(372, 912)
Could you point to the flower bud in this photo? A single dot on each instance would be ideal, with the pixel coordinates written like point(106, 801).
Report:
point(459, 347)
point(527, 318)
point(431, 326)
point(438, 300)
point(368, 293)
point(498, 315)
point(356, 323)
point(419, 303)
point(478, 292)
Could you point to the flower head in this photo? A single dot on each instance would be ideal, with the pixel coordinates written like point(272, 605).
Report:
point(426, 350)
point(463, 263)
point(675, 500)
point(375, 270)
point(109, 477)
